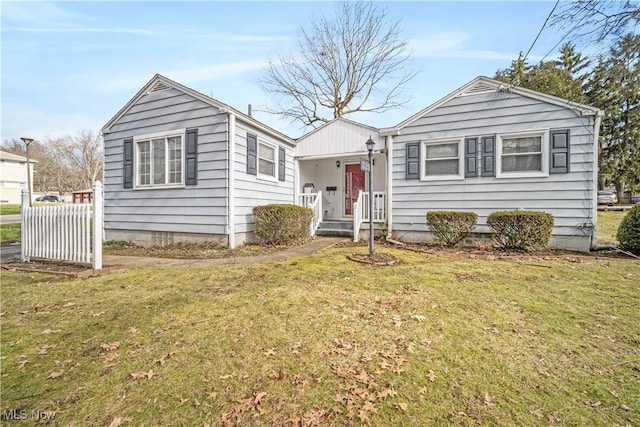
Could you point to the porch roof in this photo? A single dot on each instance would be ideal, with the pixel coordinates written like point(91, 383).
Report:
point(337, 138)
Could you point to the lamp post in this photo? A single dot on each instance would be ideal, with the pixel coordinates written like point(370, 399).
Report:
point(28, 141)
point(370, 144)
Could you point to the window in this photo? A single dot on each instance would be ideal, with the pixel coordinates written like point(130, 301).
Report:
point(159, 159)
point(522, 154)
point(266, 160)
point(442, 160)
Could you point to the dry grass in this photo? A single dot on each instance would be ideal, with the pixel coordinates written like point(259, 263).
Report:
point(608, 223)
point(434, 340)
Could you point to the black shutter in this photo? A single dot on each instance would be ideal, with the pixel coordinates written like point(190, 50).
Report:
point(488, 156)
point(559, 160)
point(471, 157)
point(282, 164)
point(127, 163)
point(252, 154)
point(413, 160)
point(192, 157)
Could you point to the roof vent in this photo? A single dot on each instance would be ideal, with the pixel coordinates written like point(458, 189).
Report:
point(479, 87)
point(158, 87)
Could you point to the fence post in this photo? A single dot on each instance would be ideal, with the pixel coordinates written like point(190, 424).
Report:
point(24, 236)
point(97, 225)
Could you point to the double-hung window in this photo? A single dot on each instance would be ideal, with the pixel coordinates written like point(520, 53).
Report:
point(266, 160)
point(442, 159)
point(522, 154)
point(160, 159)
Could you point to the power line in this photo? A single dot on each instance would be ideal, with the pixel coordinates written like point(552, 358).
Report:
point(541, 28)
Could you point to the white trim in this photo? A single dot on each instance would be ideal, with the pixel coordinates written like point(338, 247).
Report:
point(276, 154)
point(389, 144)
point(231, 204)
point(544, 154)
point(136, 161)
point(594, 179)
point(423, 159)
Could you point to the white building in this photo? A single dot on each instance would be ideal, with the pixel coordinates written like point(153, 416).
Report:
point(13, 177)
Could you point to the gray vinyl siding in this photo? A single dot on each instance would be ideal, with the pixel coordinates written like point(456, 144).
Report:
point(251, 190)
point(568, 197)
point(201, 208)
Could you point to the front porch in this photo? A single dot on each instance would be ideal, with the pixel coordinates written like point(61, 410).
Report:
point(345, 227)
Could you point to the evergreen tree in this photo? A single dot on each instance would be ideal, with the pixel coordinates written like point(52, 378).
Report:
point(614, 87)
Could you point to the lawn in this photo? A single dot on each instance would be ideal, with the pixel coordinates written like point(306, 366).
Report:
point(439, 339)
point(608, 223)
point(10, 209)
point(9, 233)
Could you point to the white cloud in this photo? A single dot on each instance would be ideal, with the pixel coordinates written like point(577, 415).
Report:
point(27, 12)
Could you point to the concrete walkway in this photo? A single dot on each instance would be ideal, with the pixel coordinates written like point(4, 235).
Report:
point(318, 244)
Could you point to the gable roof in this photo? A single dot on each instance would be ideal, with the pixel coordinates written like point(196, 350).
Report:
point(337, 119)
point(4, 155)
point(484, 84)
point(160, 82)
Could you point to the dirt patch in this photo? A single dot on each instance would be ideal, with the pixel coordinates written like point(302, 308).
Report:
point(377, 259)
point(59, 268)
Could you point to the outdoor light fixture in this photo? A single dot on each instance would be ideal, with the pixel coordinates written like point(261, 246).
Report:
point(28, 141)
point(370, 144)
point(338, 164)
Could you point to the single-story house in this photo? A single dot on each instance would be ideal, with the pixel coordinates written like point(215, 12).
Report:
point(181, 165)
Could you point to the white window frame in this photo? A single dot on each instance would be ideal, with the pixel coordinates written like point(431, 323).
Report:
point(136, 159)
point(544, 153)
point(423, 159)
point(274, 147)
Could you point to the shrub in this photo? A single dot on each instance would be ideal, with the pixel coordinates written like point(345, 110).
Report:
point(524, 230)
point(450, 227)
point(282, 224)
point(628, 234)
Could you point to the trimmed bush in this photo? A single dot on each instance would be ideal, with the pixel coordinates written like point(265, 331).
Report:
point(523, 230)
point(449, 227)
point(628, 234)
point(282, 224)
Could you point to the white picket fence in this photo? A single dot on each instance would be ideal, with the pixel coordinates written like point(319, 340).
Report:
point(63, 232)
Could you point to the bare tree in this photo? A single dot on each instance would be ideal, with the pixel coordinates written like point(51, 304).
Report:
point(597, 20)
point(353, 63)
point(63, 164)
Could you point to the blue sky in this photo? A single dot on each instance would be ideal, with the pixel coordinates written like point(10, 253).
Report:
point(68, 66)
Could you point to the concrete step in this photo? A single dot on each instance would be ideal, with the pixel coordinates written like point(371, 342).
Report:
point(334, 232)
point(336, 225)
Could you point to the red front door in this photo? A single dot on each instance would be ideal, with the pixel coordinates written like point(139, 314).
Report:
point(353, 184)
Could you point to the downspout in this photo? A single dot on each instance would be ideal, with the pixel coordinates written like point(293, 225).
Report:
point(231, 205)
point(594, 197)
point(389, 146)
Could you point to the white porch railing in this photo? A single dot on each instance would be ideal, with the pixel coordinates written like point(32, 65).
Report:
point(63, 232)
point(313, 201)
point(357, 217)
point(361, 210)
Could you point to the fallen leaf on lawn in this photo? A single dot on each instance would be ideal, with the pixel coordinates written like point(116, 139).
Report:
point(258, 397)
point(183, 401)
point(277, 375)
point(69, 304)
point(402, 406)
point(160, 361)
point(225, 377)
point(22, 363)
point(24, 312)
point(142, 374)
point(50, 331)
point(117, 422)
point(55, 374)
point(3, 313)
point(43, 350)
point(488, 399)
point(212, 395)
point(196, 404)
point(418, 317)
point(432, 376)
point(270, 352)
point(423, 390)
point(98, 314)
point(133, 330)
point(109, 346)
